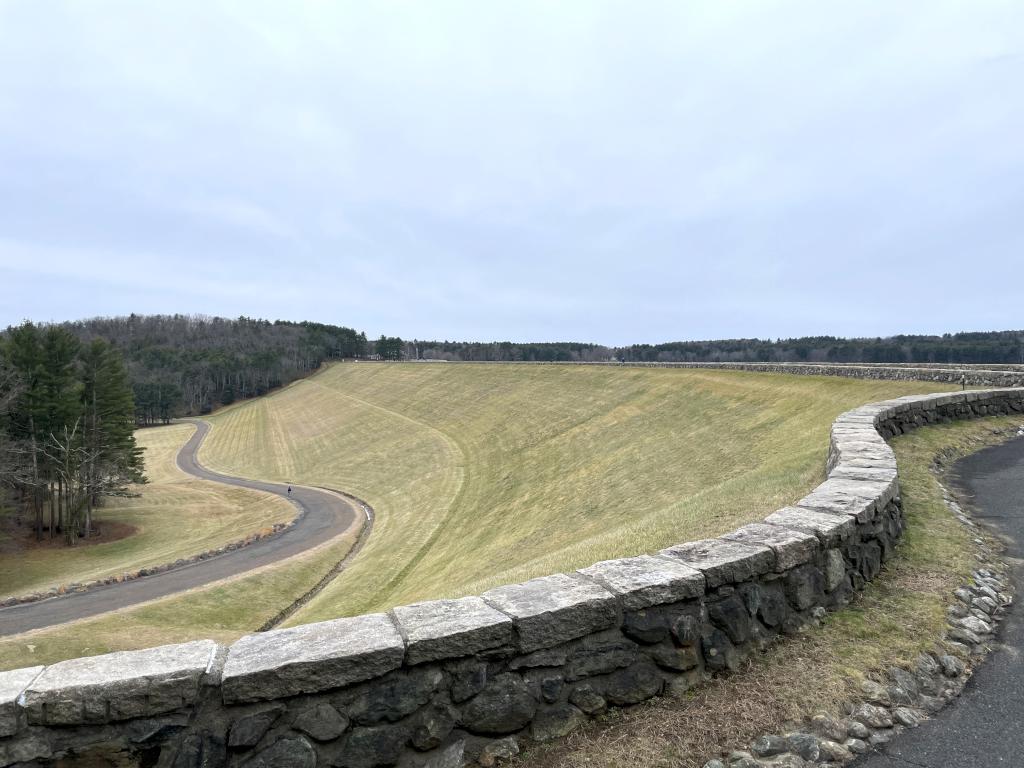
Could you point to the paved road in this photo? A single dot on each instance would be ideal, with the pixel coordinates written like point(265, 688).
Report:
point(982, 727)
point(323, 516)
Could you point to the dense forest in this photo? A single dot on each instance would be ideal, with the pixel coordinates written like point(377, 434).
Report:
point(997, 347)
point(189, 364)
point(67, 424)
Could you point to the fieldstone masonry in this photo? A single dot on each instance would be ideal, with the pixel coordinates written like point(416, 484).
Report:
point(971, 375)
point(447, 683)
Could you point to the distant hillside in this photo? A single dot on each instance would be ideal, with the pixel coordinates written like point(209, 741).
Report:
point(191, 364)
point(996, 347)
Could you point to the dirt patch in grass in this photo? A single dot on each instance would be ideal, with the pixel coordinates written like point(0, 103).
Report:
point(900, 615)
point(23, 539)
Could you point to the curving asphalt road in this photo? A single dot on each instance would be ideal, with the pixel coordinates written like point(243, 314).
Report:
point(323, 515)
point(982, 727)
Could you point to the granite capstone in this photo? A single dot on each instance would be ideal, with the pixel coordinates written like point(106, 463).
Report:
point(553, 609)
point(311, 658)
point(118, 686)
point(12, 683)
point(723, 561)
point(791, 547)
point(448, 629)
point(645, 581)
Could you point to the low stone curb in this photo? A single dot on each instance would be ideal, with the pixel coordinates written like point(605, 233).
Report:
point(446, 682)
point(275, 530)
point(1006, 375)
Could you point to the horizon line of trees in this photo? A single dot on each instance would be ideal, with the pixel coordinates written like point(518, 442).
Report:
point(192, 364)
point(67, 422)
point(995, 347)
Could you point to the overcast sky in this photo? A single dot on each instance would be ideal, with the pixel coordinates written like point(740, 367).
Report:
point(610, 172)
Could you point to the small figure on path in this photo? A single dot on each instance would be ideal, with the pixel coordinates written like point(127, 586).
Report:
point(289, 490)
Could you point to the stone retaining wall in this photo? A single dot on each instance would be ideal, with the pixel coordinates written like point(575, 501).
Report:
point(970, 375)
point(449, 682)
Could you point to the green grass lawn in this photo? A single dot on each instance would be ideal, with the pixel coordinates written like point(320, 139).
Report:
point(486, 474)
point(173, 516)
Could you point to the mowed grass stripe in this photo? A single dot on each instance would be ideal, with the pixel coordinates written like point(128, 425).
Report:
point(223, 612)
point(555, 467)
point(346, 444)
point(461, 468)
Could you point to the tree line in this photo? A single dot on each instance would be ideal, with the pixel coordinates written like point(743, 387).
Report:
point(67, 421)
point(996, 347)
point(191, 364)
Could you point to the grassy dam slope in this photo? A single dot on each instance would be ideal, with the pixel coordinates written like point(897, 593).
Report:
point(486, 474)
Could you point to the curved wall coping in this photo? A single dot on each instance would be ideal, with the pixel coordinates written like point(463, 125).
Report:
point(515, 619)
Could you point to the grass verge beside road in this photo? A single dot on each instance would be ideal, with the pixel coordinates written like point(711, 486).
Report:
point(899, 615)
point(222, 612)
point(173, 516)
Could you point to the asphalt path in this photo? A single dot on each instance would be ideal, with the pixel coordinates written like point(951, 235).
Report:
point(322, 516)
point(985, 725)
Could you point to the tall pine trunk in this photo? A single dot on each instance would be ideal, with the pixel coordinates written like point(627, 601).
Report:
point(37, 503)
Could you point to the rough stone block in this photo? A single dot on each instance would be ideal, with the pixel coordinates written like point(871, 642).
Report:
point(322, 722)
point(311, 658)
point(249, 729)
point(859, 416)
point(12, 684)
point(292, 752)
point(791, 547)
point(852, 460)
point(28, 746)
point(504, 706)
point(849, 447)
point(831, 529)
point(845, 471)
point(645, 581)
point(852, 497)
point(453, 755)
point(857, 433)
point(119, 686)
point(392, 697)
point(449, 629)
point(556, 721)
point(553, 609)
point(723, 561)
point(870, 412)
point(599, 656)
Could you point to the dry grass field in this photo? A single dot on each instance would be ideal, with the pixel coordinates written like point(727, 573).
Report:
point(174, 515)
point(485, 474)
